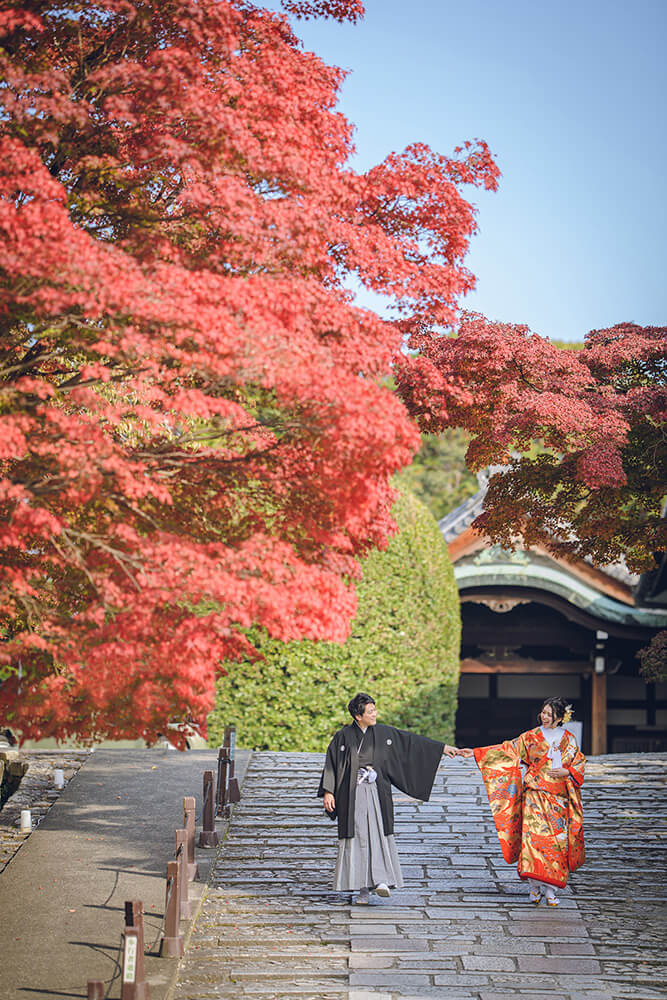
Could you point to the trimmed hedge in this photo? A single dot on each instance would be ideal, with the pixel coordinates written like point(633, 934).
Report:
point(403, 650)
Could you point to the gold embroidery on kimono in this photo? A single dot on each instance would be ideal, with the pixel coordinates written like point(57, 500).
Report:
point(539, 819)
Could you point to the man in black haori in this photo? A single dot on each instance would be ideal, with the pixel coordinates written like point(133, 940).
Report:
point(363, 761)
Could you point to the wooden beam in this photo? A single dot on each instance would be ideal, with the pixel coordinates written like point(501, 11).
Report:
point(599, 715)
point(570, 611)
point(517, 665)
point(516, 632)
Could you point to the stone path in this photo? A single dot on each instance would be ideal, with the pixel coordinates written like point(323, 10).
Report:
point(621, 890)
point(462, 928)
point(105, 840)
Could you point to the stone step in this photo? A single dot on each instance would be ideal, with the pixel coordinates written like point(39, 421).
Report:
point(462, 928)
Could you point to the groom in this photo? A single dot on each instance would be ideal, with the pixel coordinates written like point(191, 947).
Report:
point(363, 761)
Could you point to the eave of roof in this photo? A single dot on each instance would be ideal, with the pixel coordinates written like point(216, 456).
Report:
point(554, 578)
point(471, 542)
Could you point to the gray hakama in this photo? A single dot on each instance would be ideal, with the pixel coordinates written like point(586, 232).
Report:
point(369, 857)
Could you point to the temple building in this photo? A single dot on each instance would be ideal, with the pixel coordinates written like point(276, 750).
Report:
point(535, 625)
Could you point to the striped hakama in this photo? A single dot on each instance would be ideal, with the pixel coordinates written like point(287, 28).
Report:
point(370, 857)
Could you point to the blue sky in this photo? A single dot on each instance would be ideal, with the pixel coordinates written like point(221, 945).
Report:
point(571, 98)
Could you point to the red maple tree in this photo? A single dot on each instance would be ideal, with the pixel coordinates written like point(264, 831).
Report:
point(581, 435)
point(195, 435)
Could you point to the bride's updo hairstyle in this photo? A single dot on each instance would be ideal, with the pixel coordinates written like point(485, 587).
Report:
point(558, 706)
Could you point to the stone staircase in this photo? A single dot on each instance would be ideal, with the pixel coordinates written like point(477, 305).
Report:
point(462, 929)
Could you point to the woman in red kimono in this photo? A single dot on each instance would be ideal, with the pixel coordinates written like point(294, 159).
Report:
point(538, 818)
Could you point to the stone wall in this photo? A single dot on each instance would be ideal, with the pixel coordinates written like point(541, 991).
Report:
point(12, 769)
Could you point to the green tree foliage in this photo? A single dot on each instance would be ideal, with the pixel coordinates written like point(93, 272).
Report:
point(403, 650)
point(438, 475)
point(568, 345)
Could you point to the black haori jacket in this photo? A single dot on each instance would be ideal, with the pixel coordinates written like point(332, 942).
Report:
point(403, 759)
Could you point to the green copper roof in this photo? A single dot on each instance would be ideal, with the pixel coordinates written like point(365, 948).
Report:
point(495, 567)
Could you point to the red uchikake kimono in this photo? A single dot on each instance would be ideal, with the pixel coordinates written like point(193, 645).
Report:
point(540, 825)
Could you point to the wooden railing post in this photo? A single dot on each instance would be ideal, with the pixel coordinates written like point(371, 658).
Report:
point(189, 825)
point(185, 909)
point(171, 945)
point(208, 837)
point(134, 920)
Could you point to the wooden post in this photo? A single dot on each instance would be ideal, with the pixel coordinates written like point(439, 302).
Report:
point(134, 918)
point(208, 837)
point(129, 966)
point(221, 807)
point(171, 945)
point(183, 880)
point(95, 989)
point(233, 793)
point(599, 715)
point(189, 825)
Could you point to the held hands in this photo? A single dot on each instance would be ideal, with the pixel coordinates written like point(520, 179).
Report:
point(558, 772)
point(329, 802)
point(457, 751)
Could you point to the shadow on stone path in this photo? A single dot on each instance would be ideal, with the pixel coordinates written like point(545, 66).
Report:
point(462, 928)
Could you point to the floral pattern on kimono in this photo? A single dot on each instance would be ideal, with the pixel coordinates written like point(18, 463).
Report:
point(539, 819)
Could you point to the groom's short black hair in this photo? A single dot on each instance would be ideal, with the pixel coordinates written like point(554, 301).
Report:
point(358, 704)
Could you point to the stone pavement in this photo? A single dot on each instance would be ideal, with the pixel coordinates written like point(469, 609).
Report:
point(462, 928)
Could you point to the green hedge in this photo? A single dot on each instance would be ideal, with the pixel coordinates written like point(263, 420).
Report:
point(403, 650)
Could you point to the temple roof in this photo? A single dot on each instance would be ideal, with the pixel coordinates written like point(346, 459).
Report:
point(609, 593)
point(455, 523)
